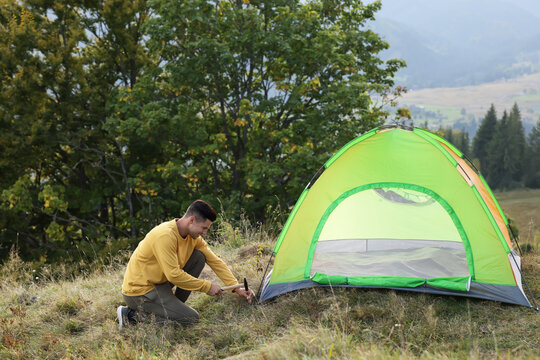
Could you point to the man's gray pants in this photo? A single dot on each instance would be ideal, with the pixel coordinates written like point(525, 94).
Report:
point(161, 301)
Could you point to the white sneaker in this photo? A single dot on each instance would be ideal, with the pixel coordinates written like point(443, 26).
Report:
point(122, 314)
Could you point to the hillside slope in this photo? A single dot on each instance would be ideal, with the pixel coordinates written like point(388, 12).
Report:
point(467, 104)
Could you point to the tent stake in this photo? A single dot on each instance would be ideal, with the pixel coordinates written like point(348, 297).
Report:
point(264, 276)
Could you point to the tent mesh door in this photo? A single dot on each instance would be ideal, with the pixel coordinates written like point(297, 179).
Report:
point(390, 232)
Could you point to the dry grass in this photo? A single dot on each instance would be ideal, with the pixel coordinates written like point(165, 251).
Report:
point(523, 207)
point(73, 317)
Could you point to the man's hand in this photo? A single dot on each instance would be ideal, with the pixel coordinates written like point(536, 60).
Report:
point(214, 290)
point(249, 295)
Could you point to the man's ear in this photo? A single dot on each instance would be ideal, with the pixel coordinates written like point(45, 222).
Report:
point(191, 219)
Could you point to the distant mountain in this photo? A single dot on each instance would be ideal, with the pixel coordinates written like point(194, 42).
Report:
point(461, 42)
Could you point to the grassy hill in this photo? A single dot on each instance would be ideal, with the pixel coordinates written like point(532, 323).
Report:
point(448, 106)
point(53, 314)
point(523, 208)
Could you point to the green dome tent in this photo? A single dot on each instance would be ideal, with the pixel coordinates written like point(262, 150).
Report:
point(398, 208)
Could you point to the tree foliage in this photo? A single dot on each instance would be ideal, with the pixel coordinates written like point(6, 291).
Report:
point(458, 138)
point(532, 159)
point(115, 115)
point(502, 156)
point(264, 91)
point(59, 64)
point(484, 135)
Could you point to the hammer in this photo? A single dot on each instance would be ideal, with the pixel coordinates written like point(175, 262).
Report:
point(236, 286)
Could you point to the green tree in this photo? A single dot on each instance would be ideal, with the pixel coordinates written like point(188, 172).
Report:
point(494, 168)
point(102, 137)
point(42, 87)
point(517, 144)
point(532, 164)
point(65, 187)
point(506, 152)
point(483, 137)
point(458, 138)
point(264, 91)
point(116, 59)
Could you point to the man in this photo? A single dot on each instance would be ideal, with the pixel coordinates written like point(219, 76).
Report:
point(173, 254)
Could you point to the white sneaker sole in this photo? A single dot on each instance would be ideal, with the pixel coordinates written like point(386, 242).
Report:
point(120, 319)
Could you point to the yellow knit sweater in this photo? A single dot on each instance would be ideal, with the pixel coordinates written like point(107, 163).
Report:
point(160, 257)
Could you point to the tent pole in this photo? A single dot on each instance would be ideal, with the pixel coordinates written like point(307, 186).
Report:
point(525, 282)
point(315, 177)
point(471, 163)
point(515, 239)
point(264, 276)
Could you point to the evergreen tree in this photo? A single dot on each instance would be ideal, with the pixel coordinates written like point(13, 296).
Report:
point(516, 145)
point(458, 138)
point(447, 134)
point(483, 136)
point(506, 152)
point(495, 150)
point(532, 164)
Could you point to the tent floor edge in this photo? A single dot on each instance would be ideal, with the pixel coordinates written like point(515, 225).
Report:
point(502, 293)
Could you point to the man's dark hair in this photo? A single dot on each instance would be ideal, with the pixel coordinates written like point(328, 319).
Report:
point(202, 211)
